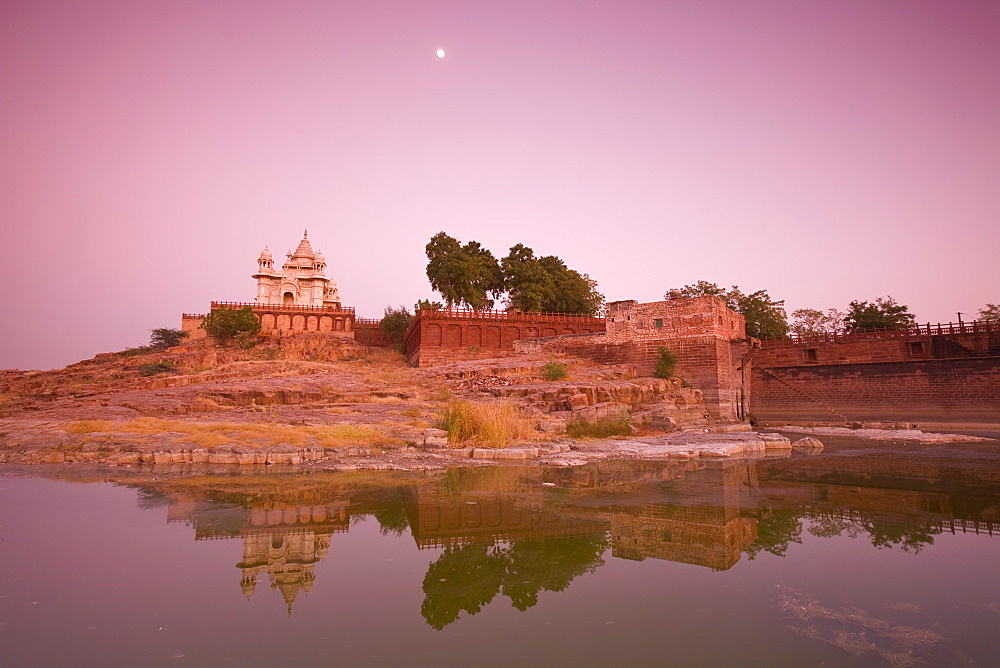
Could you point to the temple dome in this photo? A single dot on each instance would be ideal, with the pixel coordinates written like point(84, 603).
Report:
point(305, 248)
point(266, 254)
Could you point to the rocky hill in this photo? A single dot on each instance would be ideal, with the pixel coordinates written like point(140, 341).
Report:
point(314, 397)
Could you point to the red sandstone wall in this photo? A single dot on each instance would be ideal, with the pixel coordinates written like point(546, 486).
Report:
point(889, 376)
point(934, 390)
point(445, 336)
point(851, 350)
point(707, 362)
point(673, 319)
point(370, 334)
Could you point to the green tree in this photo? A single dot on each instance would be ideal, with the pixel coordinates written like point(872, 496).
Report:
point(225, 322)
point(463, 274)
point(572, 292)
point(165, 337)
point(529, 285)
point(990, 312)
point(426, 305)
point(765, 318)
point(811, 322)
point(394, 324)
point(883, 313)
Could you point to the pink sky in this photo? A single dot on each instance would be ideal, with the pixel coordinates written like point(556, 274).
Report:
point(824, 151)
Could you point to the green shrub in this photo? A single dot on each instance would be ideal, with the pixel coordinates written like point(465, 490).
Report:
point(394, 324)
point(666, 365)
point(553, 370)
point(602, 428)
point(225, 322)
point(245, 339)
point(165, 337)
point(137, 350)
point(155, 368)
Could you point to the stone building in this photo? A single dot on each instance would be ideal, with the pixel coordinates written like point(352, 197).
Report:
point(301, 282)
point(297, 298)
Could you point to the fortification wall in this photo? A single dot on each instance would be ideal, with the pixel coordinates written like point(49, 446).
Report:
point(191, 323)
point(448, 335)
point(367, 332)
point(674, 319)
point(708, 363)
point(942, 373)
point(948, 390)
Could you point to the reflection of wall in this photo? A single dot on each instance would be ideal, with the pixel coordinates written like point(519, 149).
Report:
point(446, 521)
point(652, 509)
point(716, 545)
point(950, 490)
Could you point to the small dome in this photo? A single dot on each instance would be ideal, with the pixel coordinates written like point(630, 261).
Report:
point(265, 254)
point(320, 259)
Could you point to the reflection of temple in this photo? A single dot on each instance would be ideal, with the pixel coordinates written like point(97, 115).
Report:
point(284, 543)
point(286, 558)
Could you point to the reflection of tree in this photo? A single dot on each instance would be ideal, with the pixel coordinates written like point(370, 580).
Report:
point(391, 514)
point(826, 526)
point(550, 565)
point(467, 578)
point(785, 526)
point(775, 532)
point(906, 537)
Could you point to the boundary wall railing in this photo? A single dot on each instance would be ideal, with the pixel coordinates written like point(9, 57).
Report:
point(509, 316)
point(283, 307)
point(928, 329)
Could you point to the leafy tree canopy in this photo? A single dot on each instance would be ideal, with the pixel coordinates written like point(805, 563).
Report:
point(990, 312)
point(427, 305)
point(394, 324)
point(811, 322)
point(883, 313)
point(765, 317)
point(470, 274)
point(463, 274)
point(165, 337)
point(226, 322)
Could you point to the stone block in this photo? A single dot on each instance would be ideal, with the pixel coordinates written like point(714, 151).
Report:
point(808, 445)
point(551, 426)
point(511, 453)
point(199, 456)
point(484, 453)
point(577, 402)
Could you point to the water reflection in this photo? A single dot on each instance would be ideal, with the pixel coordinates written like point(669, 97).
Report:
point(516, 532)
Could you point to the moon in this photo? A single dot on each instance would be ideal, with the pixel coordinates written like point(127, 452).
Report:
point(440, 53)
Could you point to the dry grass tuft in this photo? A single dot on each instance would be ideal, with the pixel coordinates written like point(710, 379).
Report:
point(256, 434)
point(341, 435)
point(89, 426)
point(493, 425)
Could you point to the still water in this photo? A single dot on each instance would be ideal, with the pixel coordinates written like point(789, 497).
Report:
point(862, 555)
